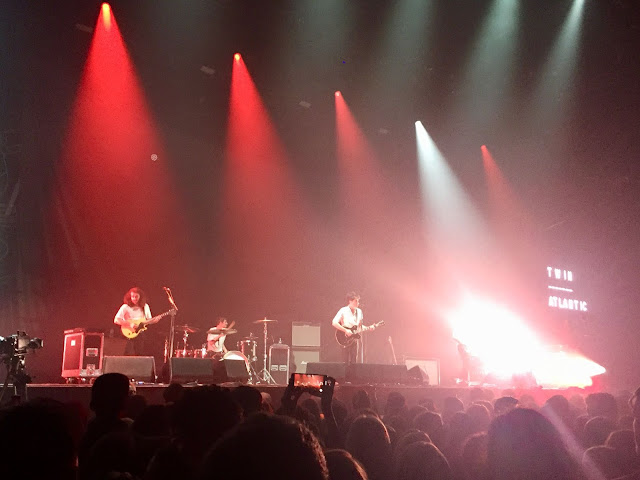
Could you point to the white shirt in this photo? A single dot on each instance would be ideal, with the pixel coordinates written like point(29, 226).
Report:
point(347, 318)
point(215, 343)
point(127, 313)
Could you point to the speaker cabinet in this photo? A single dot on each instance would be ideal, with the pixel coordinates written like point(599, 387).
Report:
point(83, 353)
point(332, 369)
point(187, 370)
point(139, 369)
point(279, 363)
point(305, 335)
point(371, 373)
point(300, 357)
point(429, 368)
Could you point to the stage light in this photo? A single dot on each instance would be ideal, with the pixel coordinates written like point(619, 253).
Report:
point(337, 93)
point(106, 15)
point(236, 57)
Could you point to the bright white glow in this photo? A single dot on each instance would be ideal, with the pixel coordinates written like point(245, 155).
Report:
point(562, 369)
point(505, 346)
point(496, 336)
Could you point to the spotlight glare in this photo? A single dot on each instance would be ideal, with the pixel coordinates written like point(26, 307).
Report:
point(106, 15)
point(338, 93)
point(236, 57)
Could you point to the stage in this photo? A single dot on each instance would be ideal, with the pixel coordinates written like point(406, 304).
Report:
point(81, 393)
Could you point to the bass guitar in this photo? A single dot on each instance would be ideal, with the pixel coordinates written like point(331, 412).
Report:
point(140, 324)
point(346, 341)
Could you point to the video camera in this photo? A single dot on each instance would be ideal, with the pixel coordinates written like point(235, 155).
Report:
point(17, 345)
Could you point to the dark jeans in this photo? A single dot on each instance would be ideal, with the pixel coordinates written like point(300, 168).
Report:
point(135, 346)
point(350, 353)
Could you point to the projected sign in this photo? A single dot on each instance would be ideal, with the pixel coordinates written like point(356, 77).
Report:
point(561, 294)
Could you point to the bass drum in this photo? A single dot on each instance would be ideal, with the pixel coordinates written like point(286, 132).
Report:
point(237, 366)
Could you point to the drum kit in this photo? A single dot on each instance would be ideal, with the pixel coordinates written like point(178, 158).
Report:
point(247, 349)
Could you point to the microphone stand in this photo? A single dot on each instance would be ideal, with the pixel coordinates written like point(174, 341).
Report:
point(172, 323)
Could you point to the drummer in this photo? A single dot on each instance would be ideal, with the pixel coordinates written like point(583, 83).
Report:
point(215, 341)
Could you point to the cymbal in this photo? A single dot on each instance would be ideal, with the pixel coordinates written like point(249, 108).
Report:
point(186, 328)
point(222, 331)
point(265, 320)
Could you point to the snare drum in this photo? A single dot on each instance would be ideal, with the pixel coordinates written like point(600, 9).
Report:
point(248, 348)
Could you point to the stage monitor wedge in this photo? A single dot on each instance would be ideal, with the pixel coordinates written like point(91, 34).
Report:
point(139, 369)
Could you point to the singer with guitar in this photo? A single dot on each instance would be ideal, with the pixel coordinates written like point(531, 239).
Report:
point(349, 325)
point(134, 313)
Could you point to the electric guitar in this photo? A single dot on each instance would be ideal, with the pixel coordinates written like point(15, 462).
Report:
point(345, 340)
point(140, 324)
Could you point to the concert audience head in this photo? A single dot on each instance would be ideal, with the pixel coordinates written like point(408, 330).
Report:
point(557, 407)
point(36, 441)
point(487, 404)
point(396, 404)
point(368, 441)
point(109, 394)
point(204, 414)
point(431, 424)
point(476, 394)
point(398, 423)
point(602, 404)
point(504, 405)
point(602, 462)
point(408, 438)
point(420, 460)
point(266, 447)
point(342, 466)
point(361, 400)
point(142, 300)
point(428, 403)
point(460, 427)
point(340, 411)
point(112, 454)
point(414, 411)
point(578, 403)
point(480, 418)
point(597, 430)
point(451, 406)
point(249, 398)
point(172, 393)
point(622, 441)
point(473, 460)
point(522, 444)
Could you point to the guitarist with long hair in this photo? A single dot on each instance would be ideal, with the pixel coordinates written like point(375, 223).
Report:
point(134, 310)
point(348, 320)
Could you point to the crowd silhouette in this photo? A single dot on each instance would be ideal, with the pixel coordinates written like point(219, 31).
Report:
point(212, 432)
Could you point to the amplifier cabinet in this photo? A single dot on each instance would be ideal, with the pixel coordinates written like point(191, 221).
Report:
point(82, 354)
point(305, 335)
point(279, 363)
point(301, 356)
